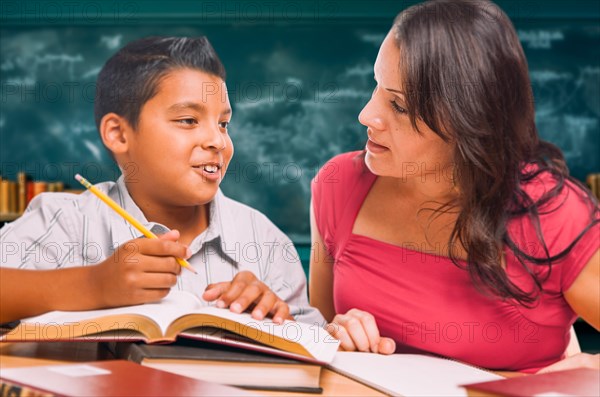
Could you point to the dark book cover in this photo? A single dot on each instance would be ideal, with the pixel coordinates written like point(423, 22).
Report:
point(262, 368)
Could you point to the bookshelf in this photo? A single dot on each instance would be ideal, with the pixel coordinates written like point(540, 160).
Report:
point(15, 196)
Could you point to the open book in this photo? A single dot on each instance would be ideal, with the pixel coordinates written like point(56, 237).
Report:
point(180, 314)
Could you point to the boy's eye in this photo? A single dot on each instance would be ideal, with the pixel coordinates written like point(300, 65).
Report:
point(224, 124)
point(188, 121)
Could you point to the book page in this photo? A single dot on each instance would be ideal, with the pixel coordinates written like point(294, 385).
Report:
point(223, 337)
point(409, 374)
point(316, 340)
point(174, 305)
point(179, 307)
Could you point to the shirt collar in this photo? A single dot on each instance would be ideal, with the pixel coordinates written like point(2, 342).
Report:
point(124, 199)
point(221, 229)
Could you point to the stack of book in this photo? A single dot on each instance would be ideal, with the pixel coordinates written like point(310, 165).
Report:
point(234, 365)
point(183, 336)
point(16, 195)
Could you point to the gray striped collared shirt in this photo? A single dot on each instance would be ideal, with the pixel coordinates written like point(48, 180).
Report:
point(64, 230)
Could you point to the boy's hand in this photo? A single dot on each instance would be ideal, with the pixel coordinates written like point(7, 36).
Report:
point(244, 290)
point(357, 330)
point(141, 270)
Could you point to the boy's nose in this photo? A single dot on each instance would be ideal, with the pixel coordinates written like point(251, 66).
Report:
point(213, 139)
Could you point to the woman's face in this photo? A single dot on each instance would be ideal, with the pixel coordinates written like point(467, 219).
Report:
point(393, 147)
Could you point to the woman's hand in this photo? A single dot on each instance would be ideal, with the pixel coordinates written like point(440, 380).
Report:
point(357, 330)
point(579, 360)
point(244, 290)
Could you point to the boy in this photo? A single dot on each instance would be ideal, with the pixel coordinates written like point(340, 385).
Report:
point(162, 111)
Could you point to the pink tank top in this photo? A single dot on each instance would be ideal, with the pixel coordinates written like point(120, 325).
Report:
point(428, 304)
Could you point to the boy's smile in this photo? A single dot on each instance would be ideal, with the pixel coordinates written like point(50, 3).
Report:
point(178, 154)
point(210, 171)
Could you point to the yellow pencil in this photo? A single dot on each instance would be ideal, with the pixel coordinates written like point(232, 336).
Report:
point(111, 203)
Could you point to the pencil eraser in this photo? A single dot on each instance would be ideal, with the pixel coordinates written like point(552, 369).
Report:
point(78, 177)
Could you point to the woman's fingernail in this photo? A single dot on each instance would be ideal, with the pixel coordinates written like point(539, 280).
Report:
point(221, 304)
point(258, 313)
point(188, 252)
point(236, 307)
point(374, 349)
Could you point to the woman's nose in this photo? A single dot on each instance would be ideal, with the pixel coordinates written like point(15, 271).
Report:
point(371, 117)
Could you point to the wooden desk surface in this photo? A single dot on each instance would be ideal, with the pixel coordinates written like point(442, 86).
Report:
point(30, 354)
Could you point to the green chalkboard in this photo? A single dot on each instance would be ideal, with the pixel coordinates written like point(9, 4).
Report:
point(296, 86)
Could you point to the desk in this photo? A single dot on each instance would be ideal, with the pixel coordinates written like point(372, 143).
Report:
point(30, 354)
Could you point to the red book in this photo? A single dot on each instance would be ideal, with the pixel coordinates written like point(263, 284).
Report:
point(105, 378)
point(573, 382)
point(29, 191)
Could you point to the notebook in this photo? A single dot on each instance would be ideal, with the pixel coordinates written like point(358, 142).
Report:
point(409, 374)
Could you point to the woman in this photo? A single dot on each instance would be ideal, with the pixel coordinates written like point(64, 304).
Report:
point(457, 231)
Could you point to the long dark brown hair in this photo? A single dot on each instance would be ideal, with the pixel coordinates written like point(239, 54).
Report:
point(465, 75)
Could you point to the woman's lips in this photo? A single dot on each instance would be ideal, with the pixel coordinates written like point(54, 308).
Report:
point(375, 148)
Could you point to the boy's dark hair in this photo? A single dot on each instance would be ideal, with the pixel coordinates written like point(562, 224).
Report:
point(130, 77)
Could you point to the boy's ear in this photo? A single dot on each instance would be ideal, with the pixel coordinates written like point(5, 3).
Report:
point(114, 131)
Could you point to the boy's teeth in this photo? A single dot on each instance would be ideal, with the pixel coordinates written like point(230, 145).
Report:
point(210, 168)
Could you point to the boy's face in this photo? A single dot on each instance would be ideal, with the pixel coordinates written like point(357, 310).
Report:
point(180, 151)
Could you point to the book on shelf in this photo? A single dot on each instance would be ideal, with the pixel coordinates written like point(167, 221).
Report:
point(226, 365)
point(572, 382)
point(4, 196)
point(22, 192)
point(180, 315)
point(104, 378)
point(409, 374)
point(15, 196)
point(593, 181)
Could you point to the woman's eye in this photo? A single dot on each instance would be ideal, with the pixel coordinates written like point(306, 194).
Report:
point(224, 124)
point(397, 108)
